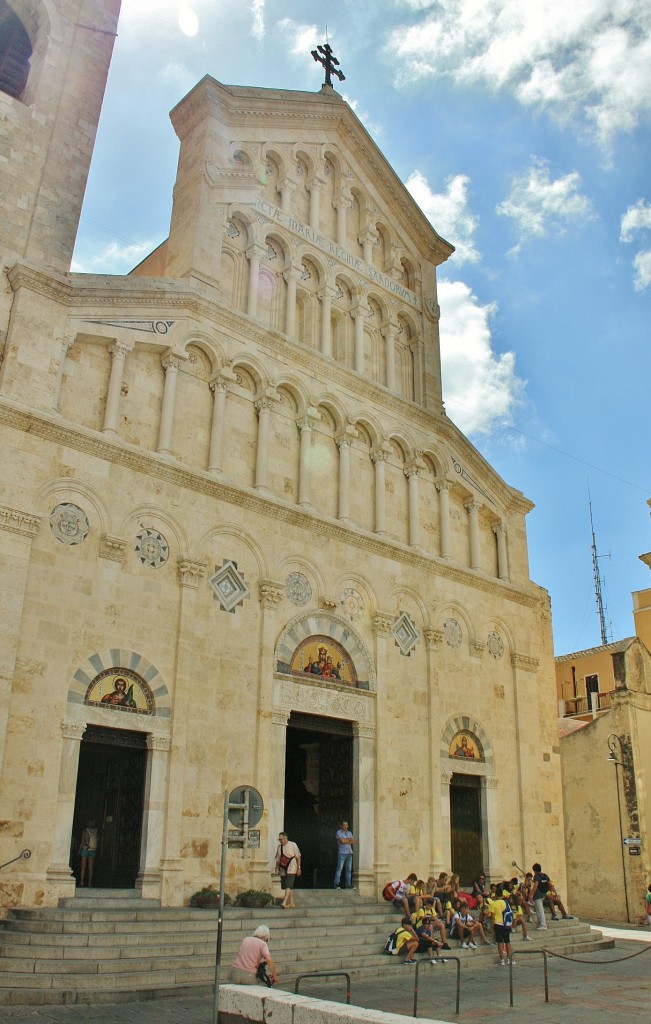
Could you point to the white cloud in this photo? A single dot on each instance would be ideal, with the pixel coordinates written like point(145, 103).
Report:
point(257, 7)
point(480, 388)
point(635, 222)
point(448, 212)
point(303, 38)
point(113, 258)
point(637, 218)
point(589, 58)
point(642, 264)
point(537, 203)
point(372, 127)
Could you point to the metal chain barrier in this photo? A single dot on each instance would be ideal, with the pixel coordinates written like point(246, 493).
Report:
point(616, 960)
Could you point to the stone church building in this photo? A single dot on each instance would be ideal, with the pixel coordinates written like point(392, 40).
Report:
point(241, 542)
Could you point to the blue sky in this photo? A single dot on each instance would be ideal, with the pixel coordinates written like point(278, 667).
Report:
point(522, 130)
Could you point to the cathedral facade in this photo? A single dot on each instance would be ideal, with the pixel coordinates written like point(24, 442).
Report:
point(242, 543)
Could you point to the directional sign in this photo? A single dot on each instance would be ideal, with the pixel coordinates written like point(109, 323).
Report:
point(633, 841)
point(241, 800)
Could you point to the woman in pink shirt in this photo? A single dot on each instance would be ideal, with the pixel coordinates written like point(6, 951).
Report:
point(253, 950)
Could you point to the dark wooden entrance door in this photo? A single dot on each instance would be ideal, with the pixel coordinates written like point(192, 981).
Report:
point(465, 825)
point(318, 792)
point(110, 790)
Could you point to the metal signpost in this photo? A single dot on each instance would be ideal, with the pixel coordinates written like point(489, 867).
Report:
point(243, 807)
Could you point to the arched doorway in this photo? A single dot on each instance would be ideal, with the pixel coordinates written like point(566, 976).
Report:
point(467, 851)
point(110, 791)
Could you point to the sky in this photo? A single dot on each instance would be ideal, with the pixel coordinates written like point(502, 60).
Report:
point(522, 129)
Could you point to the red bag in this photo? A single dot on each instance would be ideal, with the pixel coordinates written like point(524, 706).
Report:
point(388, 893)
point(471, 901)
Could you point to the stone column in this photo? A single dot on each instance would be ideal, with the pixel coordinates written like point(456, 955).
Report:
point(286, 189)
point(118, 354)
point(472, 508)
point(291, 276)
point(171, 364)
point(342, 205)
point(17, 531)
point(279, 720)
point(270, 594)
point(326, 295)
point(411, 472)
point(490, 830)
point(66, 345)
point(315, 202)
point(263, 407)
point(59, 874)
point(358, 314)
point(417, 358)
point(153, 819)
point(389, 333)
point(379, 457)
point(254, 255)
point(433, 639)
point(219, 387)
point(364, 800)
point(381, 626)
point(368, 241)
point(444, 517)
point(190, 574)
point(305, 424)
point(446, 828)
point(344, 442)
point(499, 530)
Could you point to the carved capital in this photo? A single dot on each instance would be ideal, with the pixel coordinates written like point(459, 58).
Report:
point(280, 718)
point(118, 350)
point(112, 548)
point(73, 730)
point(347, 436)
point(433, 639)
point(472, 506)
point(380, 453)
point(270, 593)
point(446, 778)
point(382, 623)
point(477, 648)
point(263, 405)
point(329, 602)
point(364, 730)
point(292, 274)
point(171, 362)
point(15, 521)
point(158, 742)
point(256, 252)
point(499, 529)
point(190, 572)
point(360, 311)
point(442, 485)
point(490, 782)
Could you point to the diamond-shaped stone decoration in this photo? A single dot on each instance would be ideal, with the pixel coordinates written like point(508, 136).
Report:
point(229, 586)
point(405, 634)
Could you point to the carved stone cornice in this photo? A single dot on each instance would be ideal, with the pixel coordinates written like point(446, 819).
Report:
point(190, 572)
point(280, 717)
point(118, 452)
point(112, 548)
point(490, 782)
point(477, 648)
point(525, 663)
point(15, 521)
point(270, 593)
point(446, 778)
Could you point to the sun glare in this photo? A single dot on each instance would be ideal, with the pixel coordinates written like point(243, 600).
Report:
point(188, 21)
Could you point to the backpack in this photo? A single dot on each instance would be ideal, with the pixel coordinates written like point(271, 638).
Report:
point(388, 893)
point(507, 915)
point(390, 945)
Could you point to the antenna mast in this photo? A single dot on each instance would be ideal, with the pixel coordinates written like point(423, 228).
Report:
point(597, 581)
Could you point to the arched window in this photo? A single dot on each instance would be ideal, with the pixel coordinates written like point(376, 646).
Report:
point(15, 52)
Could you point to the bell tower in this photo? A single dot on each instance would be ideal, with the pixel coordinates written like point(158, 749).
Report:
point(54, 60)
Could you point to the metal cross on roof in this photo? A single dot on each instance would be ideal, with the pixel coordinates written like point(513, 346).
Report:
point(330, 63)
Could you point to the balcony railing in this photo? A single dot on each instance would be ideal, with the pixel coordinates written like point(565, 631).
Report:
point(590, 705)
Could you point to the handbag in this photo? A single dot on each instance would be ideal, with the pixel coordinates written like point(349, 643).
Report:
point(261, 974)
point(284, 861)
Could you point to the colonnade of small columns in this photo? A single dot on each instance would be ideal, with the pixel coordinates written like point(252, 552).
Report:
point(305, 422)
point(389, 330)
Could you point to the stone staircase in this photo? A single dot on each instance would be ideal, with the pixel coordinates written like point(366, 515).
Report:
point(109, 946)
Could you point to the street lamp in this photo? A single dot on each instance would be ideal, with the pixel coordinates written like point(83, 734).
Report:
point(613, 742)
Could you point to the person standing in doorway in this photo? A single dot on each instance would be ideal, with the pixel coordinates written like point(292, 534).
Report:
point(87, 851)
point(288, 866)
point(345, 843)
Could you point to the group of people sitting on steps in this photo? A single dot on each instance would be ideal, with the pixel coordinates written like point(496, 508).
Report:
point(438, 909)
